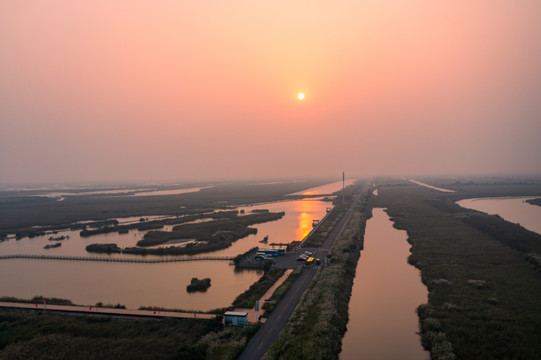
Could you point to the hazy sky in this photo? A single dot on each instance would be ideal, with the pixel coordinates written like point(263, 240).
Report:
point(146, 90)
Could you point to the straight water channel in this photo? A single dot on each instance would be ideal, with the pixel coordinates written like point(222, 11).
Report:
point(383, 322)
point(162, 284)
point(382, 319)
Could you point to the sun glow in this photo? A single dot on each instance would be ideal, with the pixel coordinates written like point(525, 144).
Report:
point(300, 96)
point(307, 213)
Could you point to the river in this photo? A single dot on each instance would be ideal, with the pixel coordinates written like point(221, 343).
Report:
point(383, 322)
point(512, 209)
point(161, 284)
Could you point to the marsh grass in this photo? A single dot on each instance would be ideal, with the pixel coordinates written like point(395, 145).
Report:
point(21, 213)
point(483, 295)
point(248, 298)
point(38, 335)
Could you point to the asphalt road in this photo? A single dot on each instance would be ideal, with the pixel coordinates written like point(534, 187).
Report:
point(267, 334)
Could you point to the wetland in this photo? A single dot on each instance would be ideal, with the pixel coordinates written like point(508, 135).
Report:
point(164, 284)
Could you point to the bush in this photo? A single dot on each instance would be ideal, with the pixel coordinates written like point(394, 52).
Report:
point(198, 285)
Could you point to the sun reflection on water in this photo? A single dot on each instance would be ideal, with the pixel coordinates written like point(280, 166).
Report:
point(307, 210)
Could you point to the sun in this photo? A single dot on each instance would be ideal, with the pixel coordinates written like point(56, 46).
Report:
point(300, 96)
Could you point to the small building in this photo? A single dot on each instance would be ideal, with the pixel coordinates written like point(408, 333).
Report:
point(236, 318)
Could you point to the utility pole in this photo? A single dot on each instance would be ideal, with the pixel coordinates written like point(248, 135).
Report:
point(343, 186)
point(257, 307)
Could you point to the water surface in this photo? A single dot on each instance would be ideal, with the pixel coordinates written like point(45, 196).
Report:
point(512, 209)
point(134, 284)
point(383, 322)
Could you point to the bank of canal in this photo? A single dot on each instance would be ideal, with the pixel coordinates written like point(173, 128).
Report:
point(383, 323)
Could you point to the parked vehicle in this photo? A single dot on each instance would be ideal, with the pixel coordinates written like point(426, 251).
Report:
point(302, 257)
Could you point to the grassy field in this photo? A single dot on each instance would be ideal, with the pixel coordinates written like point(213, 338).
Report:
point(484, 294)
point(317, 325)
point(36, 335)
point(248, 298)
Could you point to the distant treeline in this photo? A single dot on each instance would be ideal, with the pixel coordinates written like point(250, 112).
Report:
point(31, 233)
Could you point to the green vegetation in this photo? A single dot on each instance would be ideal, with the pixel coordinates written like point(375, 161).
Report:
point(30, 334)
point(103, 248)
point(320, 234)
point(483, 287)
point(52, 229)
point(536, 201)
point(218, 311)
point(237, 259)
point(157, 224)
point(20, 213)
point(52, 246)
point(38, 335)
point(221, 230)
point(189, 249)
point(110, 306)
point(316, 327)
point(37, 300)
point(210, 236)
point(248, 298)
point(198, 285)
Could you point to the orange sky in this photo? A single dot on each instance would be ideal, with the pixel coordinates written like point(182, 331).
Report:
point(141, 90)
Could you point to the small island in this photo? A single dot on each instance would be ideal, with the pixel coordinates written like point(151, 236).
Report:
point(52, 246)
point(59, 238)
point(103, 248)
point(198, 285)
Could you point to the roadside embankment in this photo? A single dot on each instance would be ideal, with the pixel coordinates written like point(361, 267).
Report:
point(316, 327)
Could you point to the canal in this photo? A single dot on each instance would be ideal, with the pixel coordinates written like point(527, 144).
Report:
point(383, 322)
